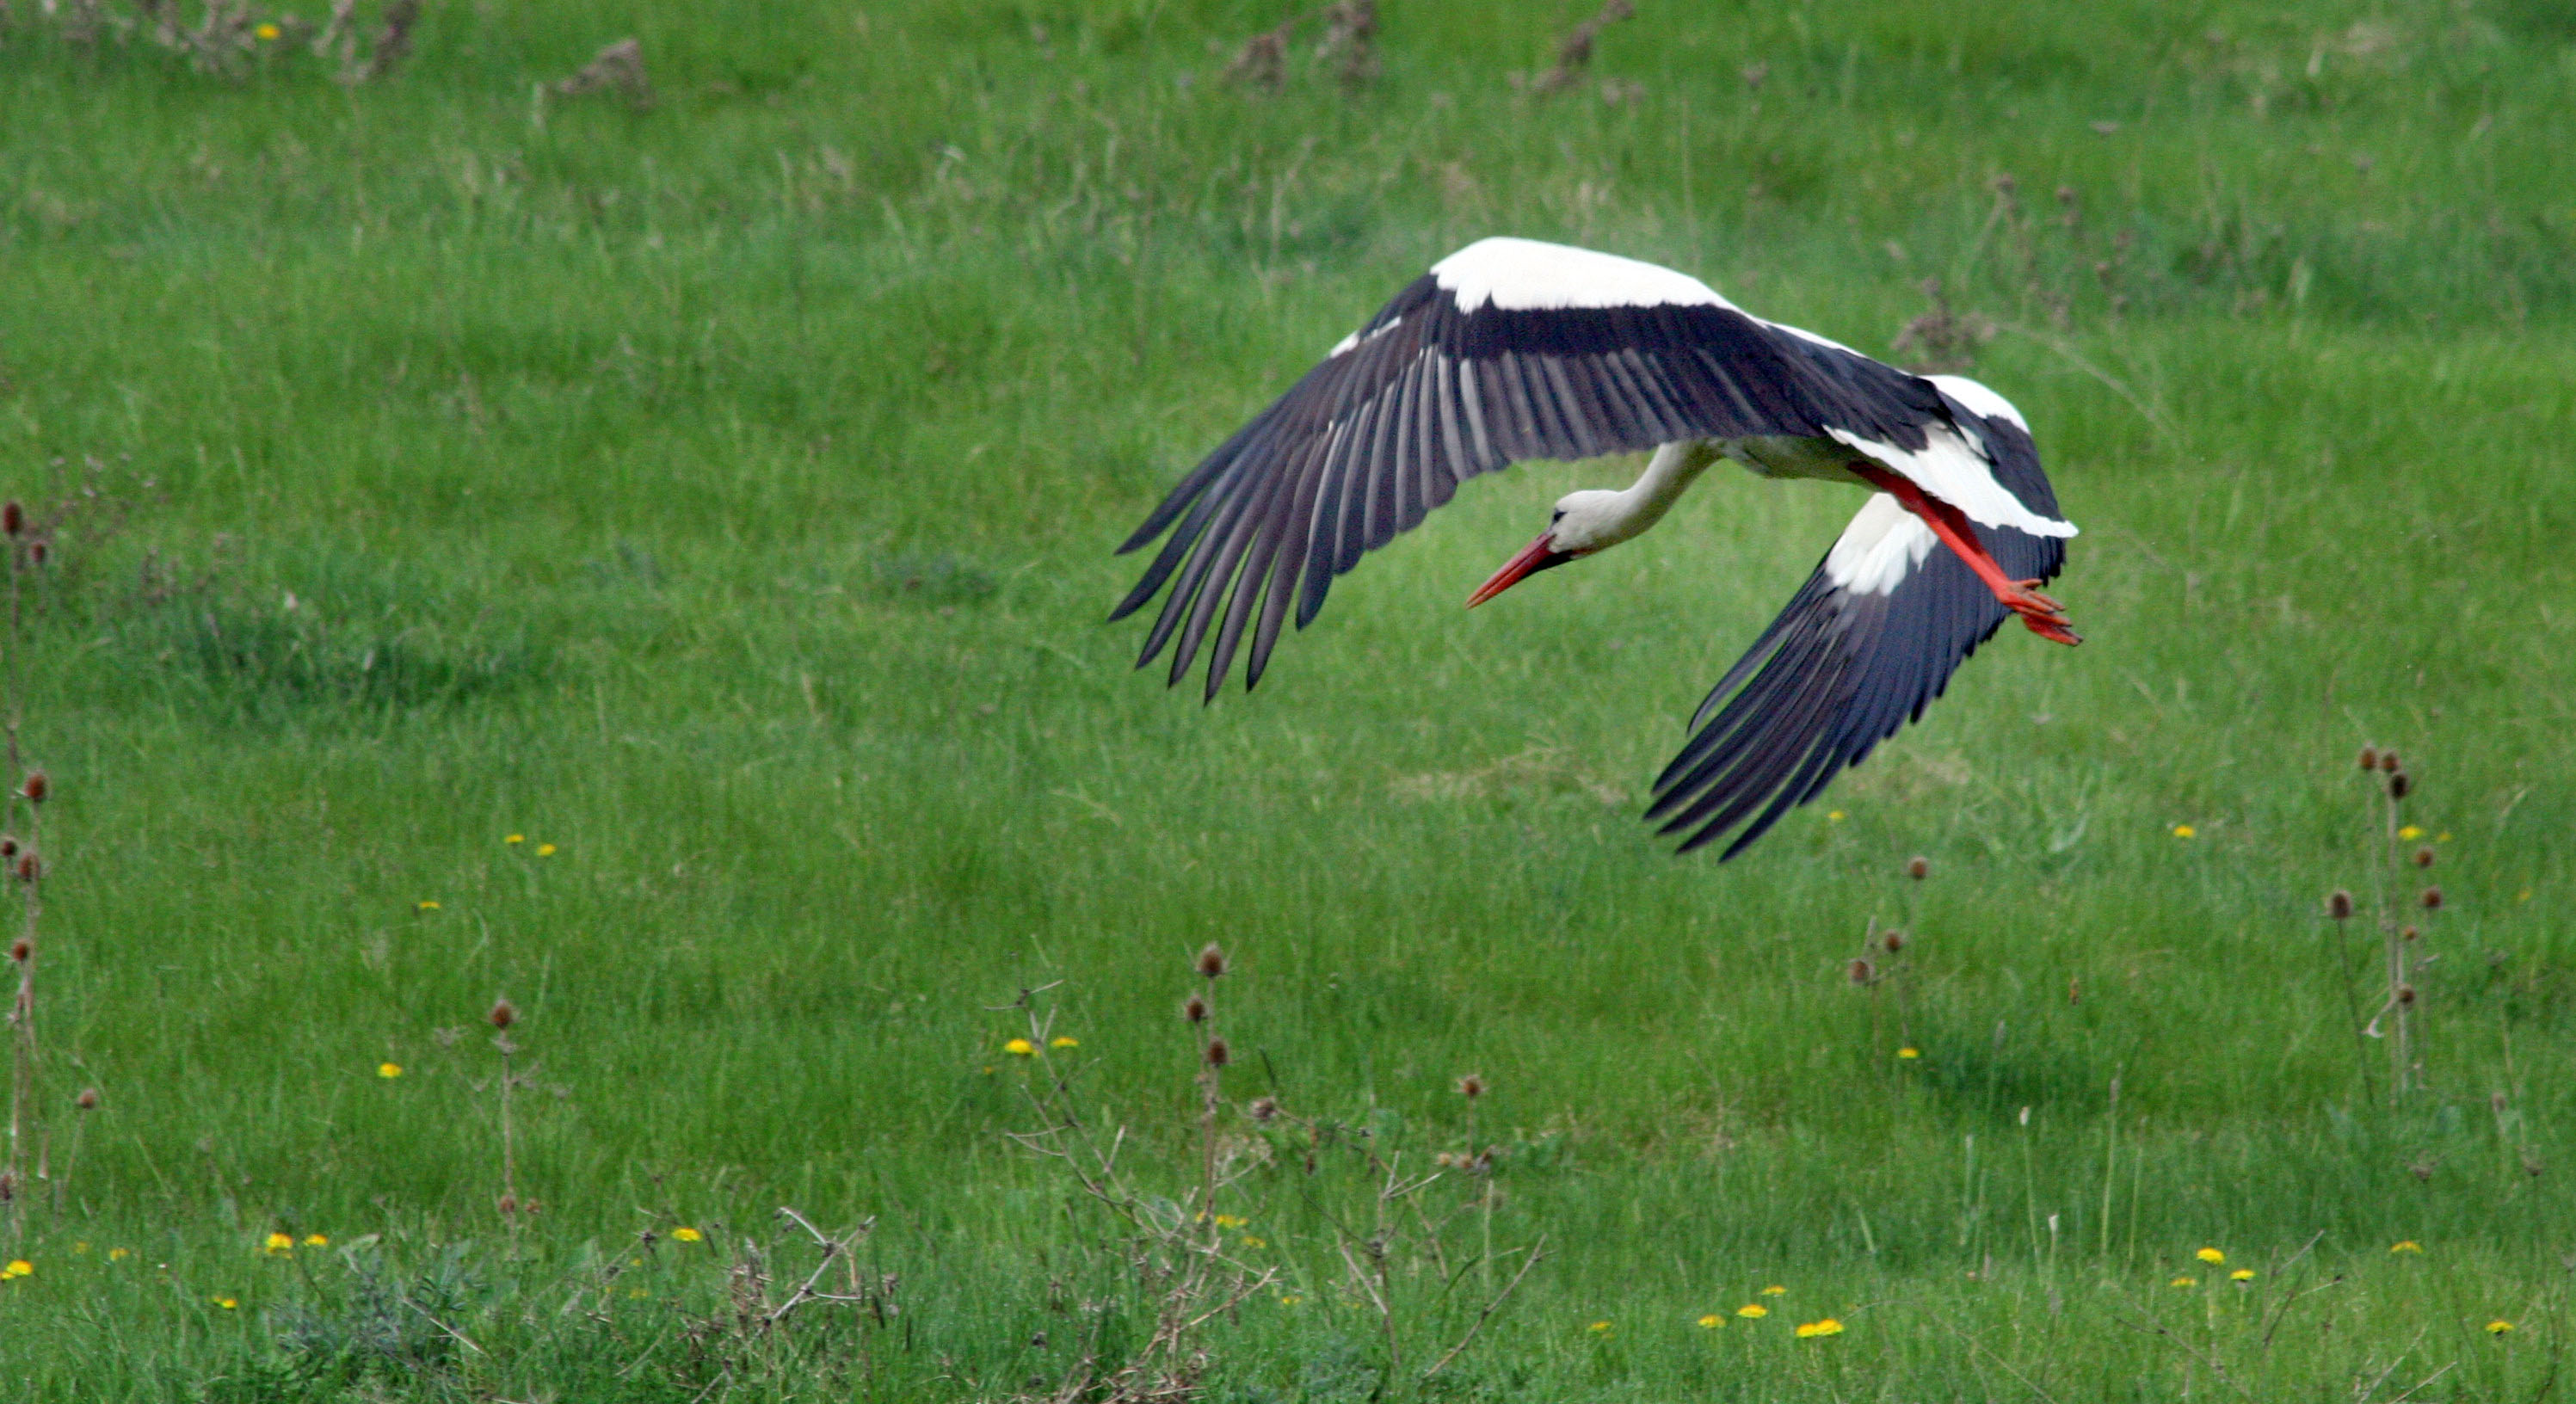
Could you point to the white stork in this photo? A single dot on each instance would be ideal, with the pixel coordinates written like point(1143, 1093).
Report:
point(1511, 349)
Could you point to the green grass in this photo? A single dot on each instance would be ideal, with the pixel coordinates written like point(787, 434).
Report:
point(723, 494)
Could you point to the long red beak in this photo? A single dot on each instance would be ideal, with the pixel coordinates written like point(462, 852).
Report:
point(1535, 557)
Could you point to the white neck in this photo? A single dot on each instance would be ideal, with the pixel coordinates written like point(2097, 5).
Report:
point(1668, 474)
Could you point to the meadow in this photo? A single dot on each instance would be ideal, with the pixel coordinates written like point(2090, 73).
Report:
point(647, 561)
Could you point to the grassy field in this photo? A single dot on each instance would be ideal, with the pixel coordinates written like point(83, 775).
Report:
point(650, 564)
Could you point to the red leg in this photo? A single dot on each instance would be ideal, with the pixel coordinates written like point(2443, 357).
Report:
point(2046, 617)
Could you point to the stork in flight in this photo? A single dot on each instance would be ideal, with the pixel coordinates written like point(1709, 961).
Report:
point(1511, 349)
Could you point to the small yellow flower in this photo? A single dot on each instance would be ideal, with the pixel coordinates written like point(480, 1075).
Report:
point(2184, 831)
point(80, 1245)
point(278, 1243)
point(2210, 1255)
point(1753, 1311)
point(2241, 1275)
point(18, 1267)
point(226, 1303)
point(1251, 1242)
point(686, 1234)
point(2410, 833)
point(637, 1293)
point(545, 850)
point(118, 1255)
point(2184, 1282)
point(1712, 1321)
point(427, 905)
point(2494, 1328)
point(2442, 837)
point(388, 1069)
point(1909, 1053)
point(516, 838)
point(315, 1240)
point(1835, 816)
point(1599, 1328)
point(1290, 1299)
point(267, 31)
point(2406, 1245)
point(1775, 1291)
point(1231, 1221)
point(1019, 1048)
point(1808, 1330)
point(1064, 1041)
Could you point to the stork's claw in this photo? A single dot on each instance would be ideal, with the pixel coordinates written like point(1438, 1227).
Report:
point(2045, 616)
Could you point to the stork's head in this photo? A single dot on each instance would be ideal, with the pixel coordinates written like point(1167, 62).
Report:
point(1583, 522)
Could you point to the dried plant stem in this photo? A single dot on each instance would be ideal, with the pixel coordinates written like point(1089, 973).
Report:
point(1492, 1305)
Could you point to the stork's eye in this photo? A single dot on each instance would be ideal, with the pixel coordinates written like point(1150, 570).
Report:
point(1556, 516)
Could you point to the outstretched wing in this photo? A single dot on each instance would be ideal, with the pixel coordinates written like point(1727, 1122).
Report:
point(1863, 647)
point(1506, 350)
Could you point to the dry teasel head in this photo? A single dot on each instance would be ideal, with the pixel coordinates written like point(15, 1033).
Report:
point(1894, 941)
point(2400, 784)
point(2432, 899)
point(2407, 933)
point(2370, 758)
point(509, 1204)
point(8, 845)
point(1194, 1009)
point(2388, 762)
point(1471, 1086)
point(1918, 867)
point(22, 950)
point(2423, 857)
point(13, 518)
point(1860, 971)
point(1218, 1055)
point(2496, 1101)
point(87, 1100)
point(1211, 962)
point(1265, 1109)
point(503, 1014)
point(2405, 994)
point(30, 867)
point(2339, 905)
point(37, 787)
point(8, 1179)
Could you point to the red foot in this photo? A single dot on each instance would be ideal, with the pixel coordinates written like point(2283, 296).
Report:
point(2046, 617)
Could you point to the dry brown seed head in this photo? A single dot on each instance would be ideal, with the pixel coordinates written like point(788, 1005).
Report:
point(503, 1014)
point(87, 1100)
point(1471, 1086)
point(1211, 961)
point(1265, 1109)
point(21, 949)
point(2339, 905)
point(2407, 933)
point(30, 867)
point(1218, 1055)
point(2423, 857)
point(8, 1186)
point(37, 550)
point(1894, 941)
point(37, 786)
point(2399, 784)
point(2405, 994)
point(509, 1204)
point(8, 846)
point(2388, 762)
point(2495, 1101)
point(2432, 899)
point(2370, 758)
point(1860, 971)
point(1195, 1010)
point(1918, 867)
point(13, 518)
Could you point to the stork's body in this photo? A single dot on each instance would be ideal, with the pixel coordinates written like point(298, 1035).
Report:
point(1511, 349)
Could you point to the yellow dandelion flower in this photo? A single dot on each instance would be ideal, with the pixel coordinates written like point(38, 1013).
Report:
point(1599, 1328)
point(428, 905)
point(2184, 831)
point(278, 1243)
point(315, 1240)
point(267, 32)
point(1809, 1330)
point(388, 1069)
point(2210, 1255)
point(2184, 1282)
point(1231, 1221)
point(226, 1303)
point(1290, 1299)
point(1909, 1053)
point(1775, 1291)
point(545, 850)
point(2406, 1245)
point(1251, 1242)
point(1835, 816)
point(1753, 1311)
point(2241, 1275)
point(1064, 1041)
point(516, 838)
point(118, 1255)
point(2410, 833)
point(686, 1234)
point(18, 1267)
point(1019, 1048)
point(1712, 1321)
point(2494, 1328)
